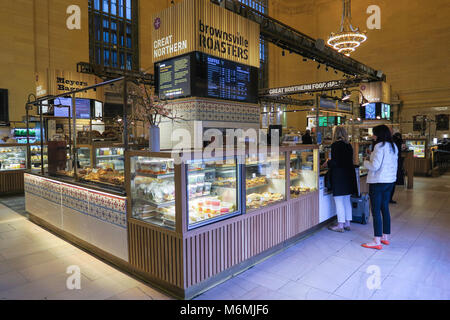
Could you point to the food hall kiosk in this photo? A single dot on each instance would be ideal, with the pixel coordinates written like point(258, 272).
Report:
point(187, 226)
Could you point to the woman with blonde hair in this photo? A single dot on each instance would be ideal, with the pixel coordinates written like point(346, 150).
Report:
point(343, 178)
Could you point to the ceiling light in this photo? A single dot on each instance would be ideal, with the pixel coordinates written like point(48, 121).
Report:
point(348, 38)
point(346, 95)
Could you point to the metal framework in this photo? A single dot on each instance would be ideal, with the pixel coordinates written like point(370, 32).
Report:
point(287, 101)
point(290, 39)
point(107, 73)
point(311, 87)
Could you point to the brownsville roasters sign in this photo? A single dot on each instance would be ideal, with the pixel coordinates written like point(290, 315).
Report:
point(199, 25)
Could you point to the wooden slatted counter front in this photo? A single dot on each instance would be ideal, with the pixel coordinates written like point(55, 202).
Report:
point(188, 261)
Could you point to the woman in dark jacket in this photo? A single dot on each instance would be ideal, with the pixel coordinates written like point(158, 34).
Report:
point(343, 178)
point(397, 138)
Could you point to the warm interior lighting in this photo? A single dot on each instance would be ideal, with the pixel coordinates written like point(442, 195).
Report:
point(348, 38)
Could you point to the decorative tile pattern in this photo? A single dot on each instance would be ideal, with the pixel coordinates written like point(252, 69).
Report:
point(210, 110)
point(75, 198)
point(108, 208)
point(47, 189)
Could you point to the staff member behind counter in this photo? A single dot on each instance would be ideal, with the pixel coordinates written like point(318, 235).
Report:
point(306, 138)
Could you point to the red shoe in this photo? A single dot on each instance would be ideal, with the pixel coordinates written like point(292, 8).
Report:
point(386, 242)
point(378, 247)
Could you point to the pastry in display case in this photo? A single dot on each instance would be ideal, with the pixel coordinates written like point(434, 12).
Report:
point(303, 175)
point(153, 190)
point(84, 157)
point(13, 158)
point(417, 146)
point(265, 179)
point(106, 176)
point(35, 152)
point(212, 190)
point(109, 157)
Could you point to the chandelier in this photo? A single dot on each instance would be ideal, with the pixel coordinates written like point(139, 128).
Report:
point(348, 38)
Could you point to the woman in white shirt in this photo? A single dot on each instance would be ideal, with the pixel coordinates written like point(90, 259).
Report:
point(382, 175)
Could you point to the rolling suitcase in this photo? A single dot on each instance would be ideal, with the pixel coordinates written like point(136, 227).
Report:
point(360, 208)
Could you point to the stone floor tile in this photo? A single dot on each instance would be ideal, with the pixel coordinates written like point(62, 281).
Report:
point(10, 280)
point(330, 274)
point(394, 288)
point(131, 294)
point(360, 286)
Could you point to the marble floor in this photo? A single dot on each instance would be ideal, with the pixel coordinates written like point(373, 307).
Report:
point(325, 265)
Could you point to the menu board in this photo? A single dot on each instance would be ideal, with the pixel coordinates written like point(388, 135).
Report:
point(370, 111)
point(174, 78)
point(62, 105)
point(344, 106)
point(327, 103)
point(201, 75)
point(228, 80)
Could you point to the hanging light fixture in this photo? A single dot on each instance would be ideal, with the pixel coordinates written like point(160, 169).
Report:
point(348, 38)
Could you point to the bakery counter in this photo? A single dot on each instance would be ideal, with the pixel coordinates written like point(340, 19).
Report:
point(13, 163)
point(197, 220)
point(91, 217)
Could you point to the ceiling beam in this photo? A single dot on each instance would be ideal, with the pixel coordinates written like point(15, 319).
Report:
point(293, 40)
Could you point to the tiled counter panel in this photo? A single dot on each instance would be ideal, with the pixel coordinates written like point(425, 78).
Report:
point(95, 217)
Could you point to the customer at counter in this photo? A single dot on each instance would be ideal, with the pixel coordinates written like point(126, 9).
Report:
point(343, 178)
point(382, 167)
point(306, 138)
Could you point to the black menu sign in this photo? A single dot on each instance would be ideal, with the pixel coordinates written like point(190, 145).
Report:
point(201, 75)
point(174, 78)
point(227, 80)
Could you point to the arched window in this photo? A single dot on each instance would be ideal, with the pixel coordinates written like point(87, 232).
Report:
point(113, 33)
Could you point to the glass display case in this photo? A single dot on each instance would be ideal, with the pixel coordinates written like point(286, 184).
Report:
point(212, 190)
point(108, 168)
point(201, 191)
point(303, 172)
point(418, 147)
point(153, 190)
point(109, 157)
point(13, 157)
point(265, 179)
point(84, 157)
point(35, 153)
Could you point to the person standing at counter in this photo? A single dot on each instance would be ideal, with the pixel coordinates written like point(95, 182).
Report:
point(382, 175)
point(343, 178)
point(306, 138)
point(397, 138)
